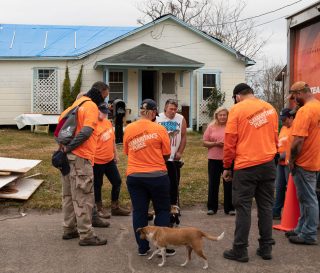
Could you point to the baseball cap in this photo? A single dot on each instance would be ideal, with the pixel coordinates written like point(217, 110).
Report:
point(240, 87)
point(103, 108)
point(299, 86)
point(149, 104)
point(60, 161)
point(286, 113)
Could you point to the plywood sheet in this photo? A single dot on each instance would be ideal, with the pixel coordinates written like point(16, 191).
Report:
point(17, 165)
point(4, 180)
point(24, 188)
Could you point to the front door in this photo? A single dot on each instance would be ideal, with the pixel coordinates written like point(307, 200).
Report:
point(149, 85)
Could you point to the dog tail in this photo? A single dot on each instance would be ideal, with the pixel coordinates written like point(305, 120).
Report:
point(213, 238)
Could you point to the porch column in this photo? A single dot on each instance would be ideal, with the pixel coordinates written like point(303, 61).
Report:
point(106, 75)
point(191, 100)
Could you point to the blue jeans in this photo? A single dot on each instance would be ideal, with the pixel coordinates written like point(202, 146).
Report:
point(281, 186)
point(305, 182)
point(142, 190)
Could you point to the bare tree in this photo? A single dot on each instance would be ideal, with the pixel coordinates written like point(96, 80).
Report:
point(265, 85)
point(218, 19)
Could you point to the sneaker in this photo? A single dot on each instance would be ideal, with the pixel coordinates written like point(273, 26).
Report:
point(144, 253)
point(174, 209)
point(70, 235)
point(211, 212)
point(237, 255)
point(169, 252)
point(300, 241)
point(232, 212)
point(290, 233)
point(99, 222)
point(93, 241)
point(264, 252)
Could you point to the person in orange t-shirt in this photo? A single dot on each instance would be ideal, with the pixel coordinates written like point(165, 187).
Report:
point(251, 137)
point(147, 145)
point(304, 163)
point(105, 163)
point(284, 143)
point(77, 186)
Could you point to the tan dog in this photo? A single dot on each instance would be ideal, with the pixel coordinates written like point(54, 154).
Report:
point(190, 237)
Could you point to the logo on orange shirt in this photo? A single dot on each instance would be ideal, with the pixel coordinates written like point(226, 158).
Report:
point(106, 135)
point(259, 118)
point(139, 142)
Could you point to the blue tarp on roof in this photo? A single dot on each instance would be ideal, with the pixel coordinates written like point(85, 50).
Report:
point(18, 41)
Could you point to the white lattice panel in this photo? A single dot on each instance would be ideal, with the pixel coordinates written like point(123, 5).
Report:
point(203, 113)
point(46, 95)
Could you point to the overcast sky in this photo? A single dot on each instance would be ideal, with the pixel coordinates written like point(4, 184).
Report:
point(125, 13)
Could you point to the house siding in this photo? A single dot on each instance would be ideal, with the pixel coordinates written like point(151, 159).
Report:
point(16, 77)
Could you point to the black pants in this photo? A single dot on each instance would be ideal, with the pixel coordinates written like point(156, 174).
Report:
point(215, 169)
point(257, 182)
point(111, 171)
point(173, 168)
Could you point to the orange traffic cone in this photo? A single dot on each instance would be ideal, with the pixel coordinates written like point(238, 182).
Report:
point(291, 210)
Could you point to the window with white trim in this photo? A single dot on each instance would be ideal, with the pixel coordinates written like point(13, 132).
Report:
point(116, 85)
point(208, 83)
point(44, 74)
point(168, 83)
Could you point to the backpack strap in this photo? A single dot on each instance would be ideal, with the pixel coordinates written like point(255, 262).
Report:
point(74, 108)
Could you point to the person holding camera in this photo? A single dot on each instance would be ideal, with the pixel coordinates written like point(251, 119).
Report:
point(77, 186)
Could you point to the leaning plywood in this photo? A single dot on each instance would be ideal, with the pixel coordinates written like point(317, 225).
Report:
point(22, 189)
point(17, 165)
point(4, 180)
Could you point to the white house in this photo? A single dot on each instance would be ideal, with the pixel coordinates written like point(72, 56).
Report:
point(163, 59)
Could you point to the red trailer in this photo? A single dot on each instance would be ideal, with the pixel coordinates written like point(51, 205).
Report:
point(304, 47)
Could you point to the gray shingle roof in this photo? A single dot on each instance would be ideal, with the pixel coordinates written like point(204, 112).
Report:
point(145, 55)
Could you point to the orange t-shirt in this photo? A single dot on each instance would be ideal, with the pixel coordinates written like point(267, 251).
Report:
point(146, 142)
point(284, 143)
point(251, 134)
point(307, 125)
point(105, 143)
point(87, 116)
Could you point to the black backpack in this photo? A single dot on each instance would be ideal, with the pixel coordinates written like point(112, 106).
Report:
point(67, 126)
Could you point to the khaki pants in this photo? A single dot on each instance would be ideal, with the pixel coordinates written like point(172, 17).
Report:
point(78, 197)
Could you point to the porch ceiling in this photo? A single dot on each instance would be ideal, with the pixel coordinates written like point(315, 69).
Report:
point(147, 56)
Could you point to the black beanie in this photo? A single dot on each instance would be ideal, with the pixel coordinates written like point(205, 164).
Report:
point(241, 87)
point(95, 95)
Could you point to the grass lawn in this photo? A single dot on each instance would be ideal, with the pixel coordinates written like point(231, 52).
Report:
point(27, 145)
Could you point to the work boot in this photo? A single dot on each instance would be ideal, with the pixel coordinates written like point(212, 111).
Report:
point(99, 222)
point(102, 213)
point(264, 251)
point(237, 254)
point(291, 233)
point(93, 241)
point(70, 235)
point(116, 210)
